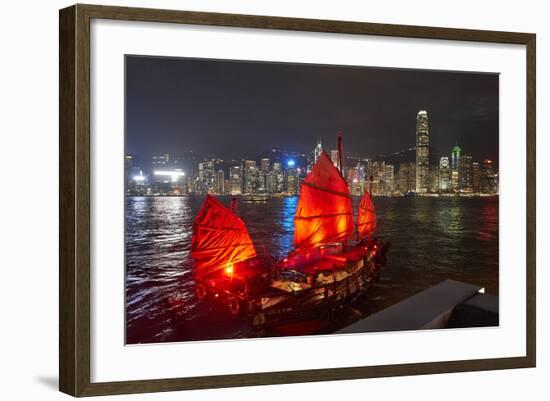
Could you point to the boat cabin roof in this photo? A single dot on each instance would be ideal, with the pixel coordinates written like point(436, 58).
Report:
point(331, 262)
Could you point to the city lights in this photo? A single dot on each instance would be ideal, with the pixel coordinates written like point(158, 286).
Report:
point(139, 177)
point(408, 172)
point(174, 175)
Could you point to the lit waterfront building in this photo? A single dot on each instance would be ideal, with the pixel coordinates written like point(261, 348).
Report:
point(249, 171)
point(444, 174)
point(249, 163)
point(264, 165)
point(489, 178)
point(137, 184)
point(465, 174)
point(354, 182)
point(169, 181)
point(279, 180)
point(422, 152)
point(335, 159)
point(455, 162)
point(362, 178)
point(178, 182)
point(262, 181)
point(377, 170)
point(252, 181)
point(207, 177)
point(406, 177)
point(433, 179)
point(271, 182)
point(380, 179)
point(389, 179)
point(317, 151)
point(275, 180)
point(160, 161)
point(476, 177)
point(292, 181)
point(235, 177)
point(128, 164)
point(191, 184)
point(220, 182)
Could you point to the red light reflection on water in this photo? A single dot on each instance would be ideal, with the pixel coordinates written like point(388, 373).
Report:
point(489, 221)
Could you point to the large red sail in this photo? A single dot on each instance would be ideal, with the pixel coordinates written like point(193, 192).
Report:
point(220, 238)
point(366, 218)
point(324, 212)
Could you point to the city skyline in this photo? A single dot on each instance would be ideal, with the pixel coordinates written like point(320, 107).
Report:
point(280, 173)
point(182, 104)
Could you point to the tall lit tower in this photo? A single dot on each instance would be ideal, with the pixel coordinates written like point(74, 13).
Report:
point(422, 152)
point(317, 151)
point(455, 162)
point(444, 174)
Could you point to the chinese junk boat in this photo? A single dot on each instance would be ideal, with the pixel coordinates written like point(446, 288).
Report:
point(326, 270)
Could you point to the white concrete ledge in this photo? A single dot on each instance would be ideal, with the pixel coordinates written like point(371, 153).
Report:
point(429, 309)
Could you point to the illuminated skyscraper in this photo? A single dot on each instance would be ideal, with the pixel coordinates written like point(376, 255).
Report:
point(476, 177)
point(433, 179)
point(389, 179)
point(128, 164)
point(220, 182)
point(207, 177)
point(489, 178)
point(444, 174)
point(406, 177)
point(354, 180)
point(161, 160)
point(335, 159)
point(317, 151)
point(250, 173)
point(292, 179)
point(465, 174)
point(235, 177)
point(252, 182)
point(422, 152)
point(264, 165)
point(455, 162)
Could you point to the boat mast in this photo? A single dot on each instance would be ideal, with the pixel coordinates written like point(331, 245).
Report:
point(340, 153)
point(341, 165)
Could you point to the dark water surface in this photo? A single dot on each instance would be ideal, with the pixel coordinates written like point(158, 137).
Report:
point(432, 239)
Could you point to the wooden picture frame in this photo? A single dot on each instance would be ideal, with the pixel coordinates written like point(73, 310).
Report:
point(74, 199)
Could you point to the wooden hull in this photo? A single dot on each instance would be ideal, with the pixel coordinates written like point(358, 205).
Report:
point(270, 305)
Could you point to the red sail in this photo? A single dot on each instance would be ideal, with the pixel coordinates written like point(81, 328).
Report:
point(324, 212)
point(220, 238)
point(366, 219)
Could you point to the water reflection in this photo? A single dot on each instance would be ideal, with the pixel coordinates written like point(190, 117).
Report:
point(432, 239)
point(285, 238)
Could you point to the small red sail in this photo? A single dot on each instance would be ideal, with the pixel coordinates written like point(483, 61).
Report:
point(366, 218)
point(324, 212)
point(220, 238)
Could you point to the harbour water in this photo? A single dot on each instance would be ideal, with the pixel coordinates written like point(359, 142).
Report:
point(432, 239)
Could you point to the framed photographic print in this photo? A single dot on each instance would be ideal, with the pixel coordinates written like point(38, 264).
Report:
point(240, 196)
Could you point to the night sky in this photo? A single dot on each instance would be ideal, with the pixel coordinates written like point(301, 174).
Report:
point(235, 109)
